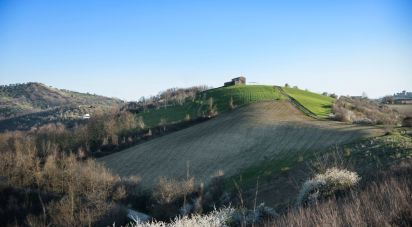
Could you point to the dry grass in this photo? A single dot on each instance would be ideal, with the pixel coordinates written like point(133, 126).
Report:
point(169, 190)
point(364, 111)
point(404, 109)
point(387, 202)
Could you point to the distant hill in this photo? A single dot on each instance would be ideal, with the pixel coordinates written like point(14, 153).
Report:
point(20, 99)
point(23, 106)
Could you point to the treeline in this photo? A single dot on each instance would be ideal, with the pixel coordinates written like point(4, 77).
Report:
point(102, 131)
point(171, 96)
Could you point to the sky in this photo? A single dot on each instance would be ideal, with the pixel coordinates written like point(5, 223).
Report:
point(133, 48)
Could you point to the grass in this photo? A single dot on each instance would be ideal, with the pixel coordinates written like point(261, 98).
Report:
point(385, 201)
point(404, 109)
point(318, 104)
point(240, 94)
point(171, 114)
point(380, 151)
point(267, 169)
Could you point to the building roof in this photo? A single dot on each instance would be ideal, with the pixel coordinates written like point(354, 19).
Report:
point(404, 95)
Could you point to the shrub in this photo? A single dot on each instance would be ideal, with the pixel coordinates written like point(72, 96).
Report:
point(187, 117)
point(21, 166)
point(169, 190)
point(364, 111)
point(211, 108)
point(171, 197)
point(216, 218)
point(326, 185)
point(246, 217)
point(407, 122)
point(214, 194)
point(333, 95)
point(231, 104)
point(78, 192)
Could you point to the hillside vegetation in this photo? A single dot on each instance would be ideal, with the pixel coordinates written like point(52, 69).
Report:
point(403, 109)
point(232, 142)
point(318, 104)
point(19, 99)
point(364, 111)
point(250, 145)
point(220, 99)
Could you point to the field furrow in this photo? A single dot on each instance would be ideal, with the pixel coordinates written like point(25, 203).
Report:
point(233, 142)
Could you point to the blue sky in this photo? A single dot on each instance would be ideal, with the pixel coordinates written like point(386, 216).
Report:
point(128, 49)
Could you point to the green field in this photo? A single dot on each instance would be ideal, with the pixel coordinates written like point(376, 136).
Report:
point(318, 104)
point(171, 114)
point(241, 95)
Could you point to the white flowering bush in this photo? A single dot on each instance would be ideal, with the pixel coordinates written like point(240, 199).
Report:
point(327, 184)
point(216, 218)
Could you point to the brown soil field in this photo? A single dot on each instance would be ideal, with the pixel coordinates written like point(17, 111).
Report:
point(232, 142)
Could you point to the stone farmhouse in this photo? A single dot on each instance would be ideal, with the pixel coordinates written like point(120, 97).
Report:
point(236, 81)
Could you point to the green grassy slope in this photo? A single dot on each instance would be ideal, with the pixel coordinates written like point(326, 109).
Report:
point(316, 103)
point(234, 142)
point(171, 114)
point(241, 95)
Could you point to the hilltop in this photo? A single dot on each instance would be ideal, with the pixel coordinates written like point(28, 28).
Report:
point(223, 99)
point(20, 99)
